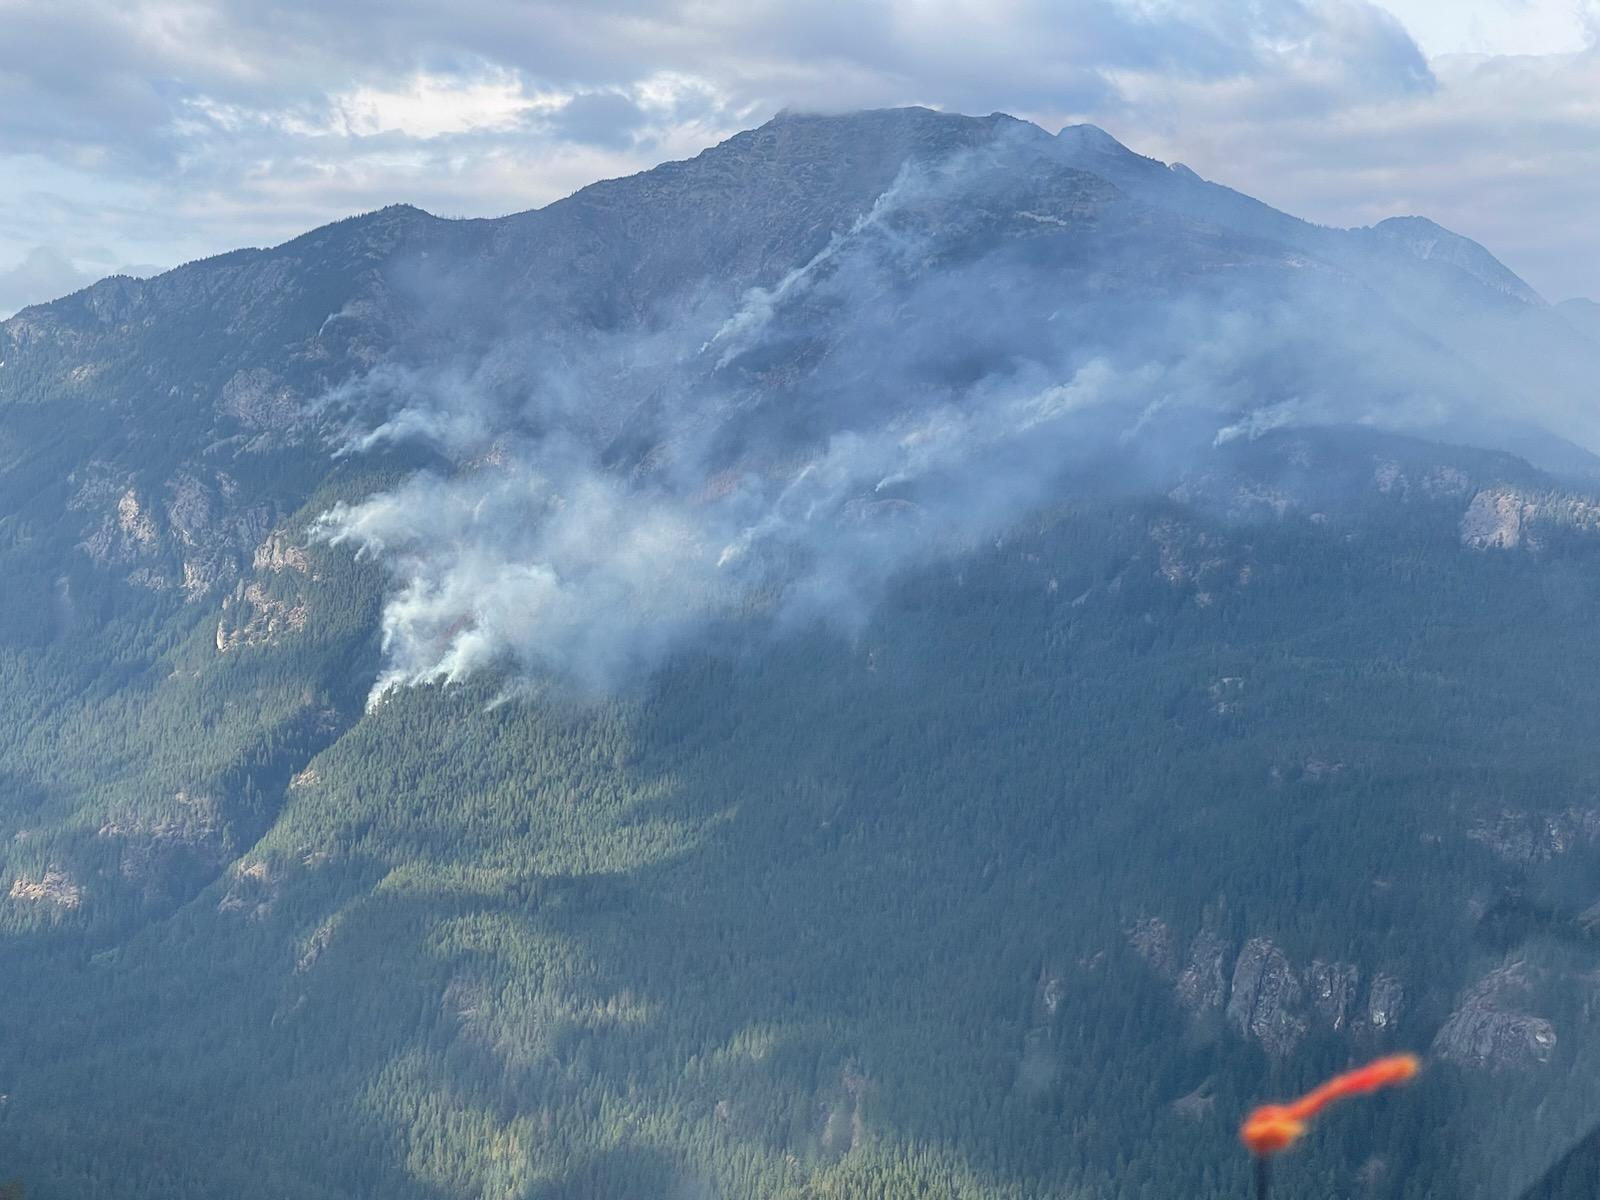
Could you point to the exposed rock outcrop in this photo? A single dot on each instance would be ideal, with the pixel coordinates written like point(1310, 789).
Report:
point(1265, 999)
point(192, 533)
point(261, 401)
point(1048, 994)
point(1332, 987)
point(252, 891)
point(278, 554)
point(127, 532)
point(1152, 941)
point(53, 887)
point(1386, 1000)
point(1202, 985)
point(211, 530)
point(1493, 521)
point(252, 616)
point(1489, 1030)
point(1504, 518)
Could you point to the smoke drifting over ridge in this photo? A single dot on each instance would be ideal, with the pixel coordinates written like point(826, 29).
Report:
point(991, 322)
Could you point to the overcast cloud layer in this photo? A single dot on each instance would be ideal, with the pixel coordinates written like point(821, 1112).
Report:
point(138, 132)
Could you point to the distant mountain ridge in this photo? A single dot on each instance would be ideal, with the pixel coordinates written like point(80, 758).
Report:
point(854, 152)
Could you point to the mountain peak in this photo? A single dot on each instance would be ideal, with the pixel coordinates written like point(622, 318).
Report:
point(887, 132)
point(904, 114)
point(1090, 138)
point(1430, 241)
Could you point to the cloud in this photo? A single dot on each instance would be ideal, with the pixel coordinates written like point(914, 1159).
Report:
point(423, 105)
point(245, 123)
point(183, 128)
point(1500, 27)
point(43, 274)
point(1503, 149)
point(118, 77)
point(608, 119)
point(50, 272)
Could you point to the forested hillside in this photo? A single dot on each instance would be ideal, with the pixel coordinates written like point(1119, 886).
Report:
point(732, 685)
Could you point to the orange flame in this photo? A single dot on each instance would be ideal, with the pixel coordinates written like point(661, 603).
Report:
point(1275, 1127)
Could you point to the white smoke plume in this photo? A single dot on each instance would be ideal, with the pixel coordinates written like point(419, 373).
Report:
point(924, 381)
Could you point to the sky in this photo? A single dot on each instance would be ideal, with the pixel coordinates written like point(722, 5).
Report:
point(139, 134)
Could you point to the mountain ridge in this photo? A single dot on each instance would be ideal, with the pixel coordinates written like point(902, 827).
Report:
point(1084, 142)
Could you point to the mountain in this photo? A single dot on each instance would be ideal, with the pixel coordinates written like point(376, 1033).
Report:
point(1432, 243)
point(905, 655)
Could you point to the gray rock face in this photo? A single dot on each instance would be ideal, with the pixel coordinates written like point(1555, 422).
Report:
point(253, 616)
point(1332, 987)
point(190, 532)
point(213, 533)
point(1489, 1031)
point(278, 554)
point(1201, 985)
point(1152, 941)
point(1266, 998)
point(259, 400)
point(1493, 521)
point(126, 533)
point(1504, 518)
point(1385, 1002)
point(1487, 1038)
